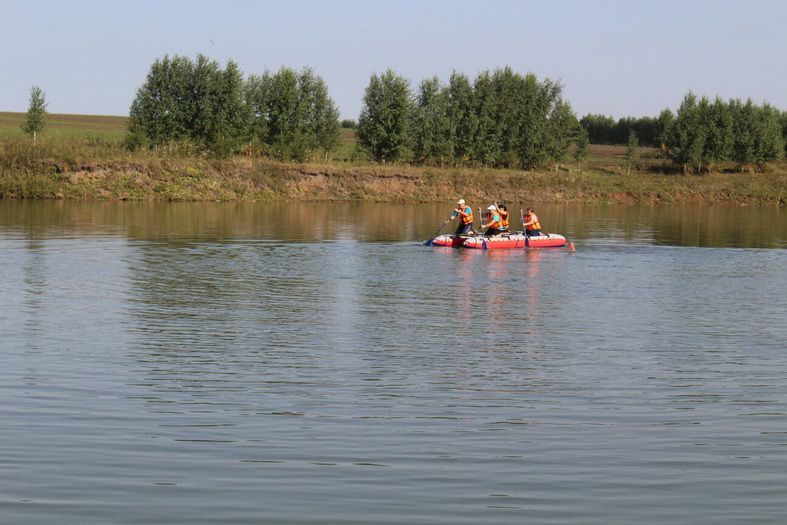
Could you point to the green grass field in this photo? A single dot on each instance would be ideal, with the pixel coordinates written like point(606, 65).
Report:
point(68, 126)
point(112, 128)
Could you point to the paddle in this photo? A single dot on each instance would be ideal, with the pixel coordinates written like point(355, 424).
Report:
point(483, 238)
point(524, 228)
point(429, 242)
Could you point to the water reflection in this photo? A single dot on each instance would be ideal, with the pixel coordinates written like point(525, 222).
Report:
point(709, 226)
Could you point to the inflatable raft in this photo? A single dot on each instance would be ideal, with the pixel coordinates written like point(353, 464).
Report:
point(515, 240)
point(449, 239)
point(507, 240)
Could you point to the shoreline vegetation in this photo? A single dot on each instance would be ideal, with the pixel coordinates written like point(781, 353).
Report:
point(198, 130)
point(84, 157)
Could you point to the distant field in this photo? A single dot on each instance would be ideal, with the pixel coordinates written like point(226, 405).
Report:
point(114, 128)
point(68, 126)
point(346, 149)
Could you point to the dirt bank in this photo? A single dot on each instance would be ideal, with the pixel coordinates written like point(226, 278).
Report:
point(255, 179)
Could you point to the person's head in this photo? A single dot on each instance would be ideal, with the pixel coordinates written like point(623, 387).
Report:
point(492, 208)
point(531, 210)
point(461, 202)
point(503, 207)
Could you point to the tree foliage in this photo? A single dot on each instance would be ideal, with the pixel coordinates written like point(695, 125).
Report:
point(36, 113)
point(502, 119)
point(288, 115)
point(602, 129)
point(702, 134)
point(632, 151)
point(705, 133)
point(462, 118)
point(431, 123)
point(385, 123)
point(784, 130)
point(582, 142)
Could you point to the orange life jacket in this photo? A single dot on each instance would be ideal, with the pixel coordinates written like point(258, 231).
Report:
point(536, 225)
point(496, 224)
point(504, 221)
point(468, 219)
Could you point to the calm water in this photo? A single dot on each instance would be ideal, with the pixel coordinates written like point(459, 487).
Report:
point(249, 363)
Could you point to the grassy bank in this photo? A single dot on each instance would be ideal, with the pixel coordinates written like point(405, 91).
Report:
point(83, 163)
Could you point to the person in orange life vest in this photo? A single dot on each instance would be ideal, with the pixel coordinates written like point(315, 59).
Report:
point(465, 214)
point(494, 224)
point(501, 208)
point(531, 224)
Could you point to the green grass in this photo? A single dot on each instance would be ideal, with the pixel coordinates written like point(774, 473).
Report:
point(59, 126)
point(347, 150)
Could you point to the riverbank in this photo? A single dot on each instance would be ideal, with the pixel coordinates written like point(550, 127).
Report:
point(245, 179)
point(105, 170)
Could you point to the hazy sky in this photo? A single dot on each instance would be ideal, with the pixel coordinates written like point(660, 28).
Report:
point(613, 57)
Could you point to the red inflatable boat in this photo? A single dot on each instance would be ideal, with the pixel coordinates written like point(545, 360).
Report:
point(448, 239)
point(515, 240)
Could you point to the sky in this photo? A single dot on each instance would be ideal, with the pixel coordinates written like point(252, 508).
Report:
point(618, 58)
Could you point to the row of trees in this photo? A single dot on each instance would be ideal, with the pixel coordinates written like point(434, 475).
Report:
point(705, 133)
point(602, 129)
point(287, 114)
point(502, 118)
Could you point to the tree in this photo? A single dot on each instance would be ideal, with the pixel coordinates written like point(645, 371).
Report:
point(686, 140)
point(462, 119)
point(719, 133)
point(292, 115)
point(36, 113)
point(163, 108)
point(326, 119)
point(769, 142)
point(582, 141)
point(282, 111)
point(663, 123)
point(744, 130)
point(511, 109)
point(385, 123)
point(784, 130)
point(227, 121)
point(486, 141)
point(632, 150)
point(562, 130)
point(431, 124)
point(547, 123)
point(257, 95)
point(600, 128)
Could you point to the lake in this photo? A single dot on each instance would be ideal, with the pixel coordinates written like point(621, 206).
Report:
point(298, 363)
